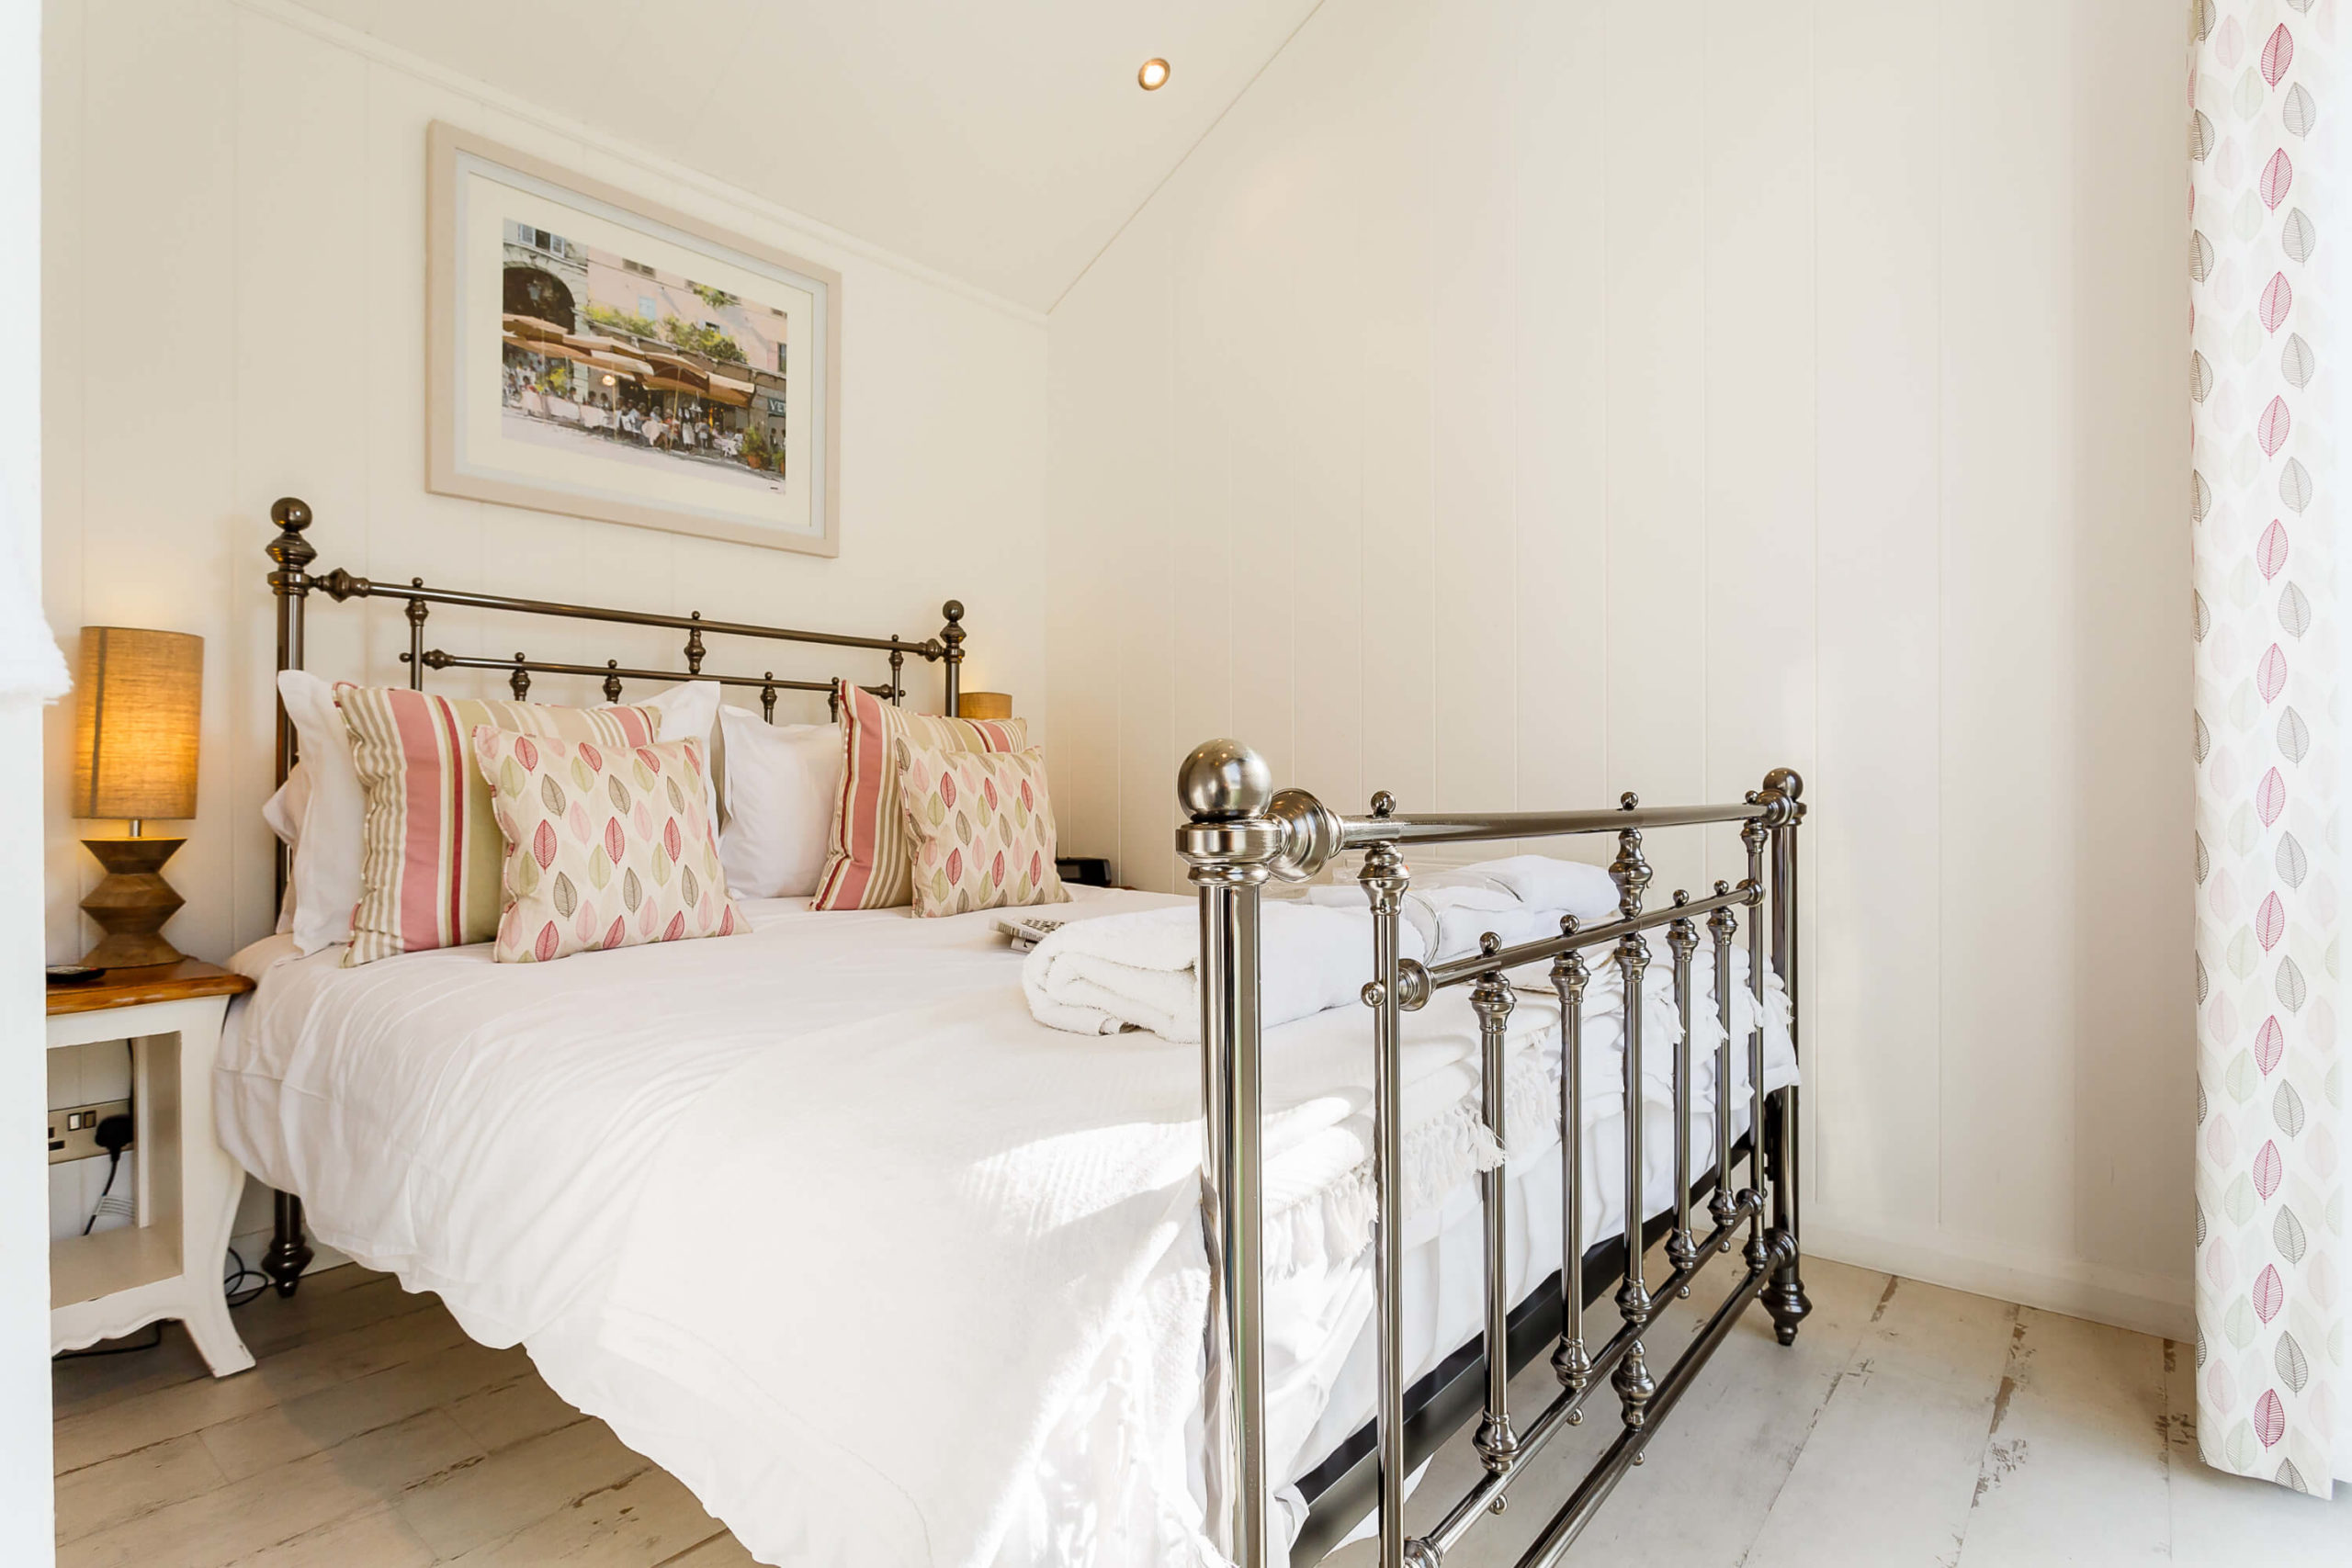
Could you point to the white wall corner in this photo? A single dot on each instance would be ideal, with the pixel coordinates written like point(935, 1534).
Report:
point(28, 1500)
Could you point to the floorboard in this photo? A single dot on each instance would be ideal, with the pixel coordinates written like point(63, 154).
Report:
point(1909, 1425)
point(2075, 1463)
point(1890, 1469)
point(1737, 1434)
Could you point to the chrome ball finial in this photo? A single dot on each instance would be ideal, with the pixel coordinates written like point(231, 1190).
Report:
point(1224, 780)
point(1783, 792)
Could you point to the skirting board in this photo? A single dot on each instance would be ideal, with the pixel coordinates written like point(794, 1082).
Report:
point(2147, 1303)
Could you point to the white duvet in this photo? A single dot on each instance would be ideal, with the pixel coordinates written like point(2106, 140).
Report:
point(820, 1220)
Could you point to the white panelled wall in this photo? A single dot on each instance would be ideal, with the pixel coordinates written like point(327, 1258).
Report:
point(1509, 404)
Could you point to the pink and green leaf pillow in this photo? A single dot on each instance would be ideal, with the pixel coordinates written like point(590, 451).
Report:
point(606, 846)
point(979, 828)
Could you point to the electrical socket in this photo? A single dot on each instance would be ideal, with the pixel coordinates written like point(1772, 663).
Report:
point(73, 1129)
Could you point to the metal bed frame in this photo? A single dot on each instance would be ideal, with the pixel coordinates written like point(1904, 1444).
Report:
point(292, 582)
point(1241, 834)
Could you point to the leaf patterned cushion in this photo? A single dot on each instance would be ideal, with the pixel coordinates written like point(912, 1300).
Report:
point(429, 853)
point(866, 858)
point(605, 846)
point(979, 829)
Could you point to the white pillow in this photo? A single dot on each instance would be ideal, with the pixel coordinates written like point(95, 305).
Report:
point(325, 884)
point(284, 812)
point(781, 780)
point(688, 710)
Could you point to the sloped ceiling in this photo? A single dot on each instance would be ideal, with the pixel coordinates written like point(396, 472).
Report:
point(1001, 142)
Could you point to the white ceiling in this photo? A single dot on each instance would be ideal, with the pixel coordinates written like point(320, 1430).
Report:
point(1001, 142)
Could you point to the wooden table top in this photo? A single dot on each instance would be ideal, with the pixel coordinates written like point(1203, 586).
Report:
point(149, 983)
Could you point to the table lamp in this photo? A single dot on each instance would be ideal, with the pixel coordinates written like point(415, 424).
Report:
point(139, 697)
point(984, 705)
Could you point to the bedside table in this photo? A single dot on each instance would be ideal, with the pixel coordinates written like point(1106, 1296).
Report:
point(170, 1263)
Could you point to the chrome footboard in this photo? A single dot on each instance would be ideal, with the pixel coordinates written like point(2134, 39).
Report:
point(1241, 834)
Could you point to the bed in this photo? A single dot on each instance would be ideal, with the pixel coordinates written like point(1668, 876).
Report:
point(824, 1222)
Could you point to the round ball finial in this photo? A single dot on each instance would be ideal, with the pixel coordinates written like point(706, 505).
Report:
point(1787, 782)
point(287, 511)
point(953, 610)
point(1382, 803)
point(1221, 780)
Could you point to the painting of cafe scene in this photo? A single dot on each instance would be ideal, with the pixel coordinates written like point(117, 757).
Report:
point(605, 354)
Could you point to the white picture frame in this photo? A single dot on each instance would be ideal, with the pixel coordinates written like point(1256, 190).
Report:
point(596, 355)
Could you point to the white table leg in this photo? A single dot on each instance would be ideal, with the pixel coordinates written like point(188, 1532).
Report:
point(208, 1205)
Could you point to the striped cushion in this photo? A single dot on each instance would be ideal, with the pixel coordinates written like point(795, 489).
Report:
point(867, 861)
point(430, 848)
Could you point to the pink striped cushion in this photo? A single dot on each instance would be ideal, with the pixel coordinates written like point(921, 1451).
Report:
point(430, 847)
point(867, 863)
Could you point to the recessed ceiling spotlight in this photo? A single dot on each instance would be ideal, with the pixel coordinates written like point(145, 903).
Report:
point(1153, 77)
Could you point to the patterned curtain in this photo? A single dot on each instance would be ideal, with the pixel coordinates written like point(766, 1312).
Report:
point(2265, 504)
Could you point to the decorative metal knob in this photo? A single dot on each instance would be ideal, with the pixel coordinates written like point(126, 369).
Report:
point(1223, 780)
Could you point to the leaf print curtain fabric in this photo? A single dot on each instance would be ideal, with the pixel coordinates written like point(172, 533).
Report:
point(2265, 497)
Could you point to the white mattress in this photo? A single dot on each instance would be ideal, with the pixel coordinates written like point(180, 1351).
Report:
point(500, 1168)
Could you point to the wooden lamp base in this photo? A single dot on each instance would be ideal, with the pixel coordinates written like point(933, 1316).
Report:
point(132, 903)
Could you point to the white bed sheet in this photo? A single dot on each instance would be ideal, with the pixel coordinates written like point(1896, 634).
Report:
point(504, 1175)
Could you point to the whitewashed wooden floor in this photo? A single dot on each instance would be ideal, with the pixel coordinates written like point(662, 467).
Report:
point(1908, 1425)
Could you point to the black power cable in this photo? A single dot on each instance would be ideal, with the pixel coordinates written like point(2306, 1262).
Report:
point(113, 1135)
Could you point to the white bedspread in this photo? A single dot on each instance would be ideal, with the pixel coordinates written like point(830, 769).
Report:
point(822, 1220)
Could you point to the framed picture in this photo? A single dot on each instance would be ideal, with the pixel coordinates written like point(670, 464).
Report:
point(599, 355)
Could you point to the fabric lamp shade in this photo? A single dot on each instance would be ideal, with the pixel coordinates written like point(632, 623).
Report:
point(141, 695)
point(984, 705)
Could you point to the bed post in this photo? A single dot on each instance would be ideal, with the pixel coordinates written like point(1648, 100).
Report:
point(290, 555)
point(1385, 877)
point(951, 638)
point(1230, 843)
point(1784, 1296)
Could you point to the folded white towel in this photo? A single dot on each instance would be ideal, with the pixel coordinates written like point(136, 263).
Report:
point(1519, 900)
point(1556, 886)
point(1141, 971)
point(1450, 919)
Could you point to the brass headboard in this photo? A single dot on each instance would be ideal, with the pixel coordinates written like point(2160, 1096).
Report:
point(292, 581)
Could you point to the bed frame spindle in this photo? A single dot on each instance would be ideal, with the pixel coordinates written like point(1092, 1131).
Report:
point(1682, 1249)
point(1722, 1207)
point(1632, 873)
point(1570, 1362)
